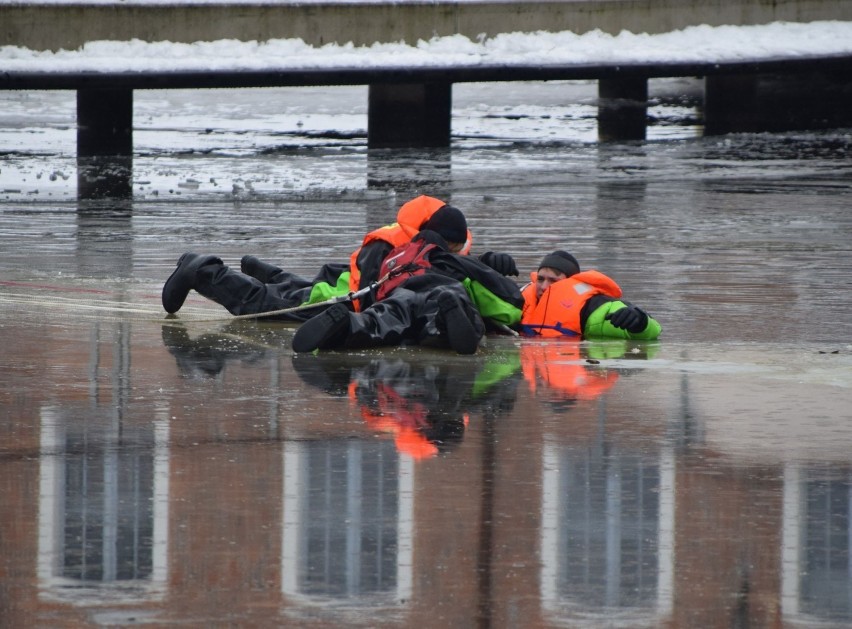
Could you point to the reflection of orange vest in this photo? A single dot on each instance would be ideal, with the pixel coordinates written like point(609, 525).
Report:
point(409, 218)
point(557, 313)
point(401, 418)
point(556, 364)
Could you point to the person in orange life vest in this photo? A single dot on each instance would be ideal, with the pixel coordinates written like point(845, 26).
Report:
point(562, 300)
point(414, 216)
point(262, 287)
point(428, 296)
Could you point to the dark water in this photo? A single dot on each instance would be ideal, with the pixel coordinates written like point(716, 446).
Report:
point(195, 472)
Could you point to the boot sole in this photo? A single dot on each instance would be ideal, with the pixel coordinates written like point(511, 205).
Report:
point(461, 333)
point(320, 331)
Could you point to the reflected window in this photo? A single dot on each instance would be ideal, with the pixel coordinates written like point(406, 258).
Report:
point(102, 511)
point(817, 535)
point(108, 518)
point(609, 542)
point(347, 521)
point(607, 532)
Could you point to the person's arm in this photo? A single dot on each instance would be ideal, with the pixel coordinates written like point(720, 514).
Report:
point(495, 296)
point(369, 262)
point(614, 318)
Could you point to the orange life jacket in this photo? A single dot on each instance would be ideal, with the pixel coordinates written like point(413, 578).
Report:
point(409, 218)
point(557, 313)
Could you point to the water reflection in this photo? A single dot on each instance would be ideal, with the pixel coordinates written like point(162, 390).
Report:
point(104, 177)
point(104, 238)
point(103, 494)
point(817, 533)
point(347, 523)
point(534, 478)
point(409, 170)
point(607, 544)
point(206, 353)
point(102, 508)
point(423, 401)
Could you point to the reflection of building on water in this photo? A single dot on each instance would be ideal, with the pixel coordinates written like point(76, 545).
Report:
point(104, 486)
point(103, 511)
point(621, 518)
point(816, 553)
point(347, 529)
point(607, 533)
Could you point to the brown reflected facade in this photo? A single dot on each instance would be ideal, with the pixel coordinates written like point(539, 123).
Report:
point(224, 482)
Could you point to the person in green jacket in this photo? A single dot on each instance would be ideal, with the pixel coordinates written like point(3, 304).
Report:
point(563, 300)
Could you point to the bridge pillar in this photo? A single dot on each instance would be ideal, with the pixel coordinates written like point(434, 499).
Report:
point(409, 115)
point(104, 122)
point(104, 143)
point(757, 103)
point(622, 108)
point(731, 104)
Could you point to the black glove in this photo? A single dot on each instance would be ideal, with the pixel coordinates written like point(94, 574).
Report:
point(503, 263)
point(629, 318)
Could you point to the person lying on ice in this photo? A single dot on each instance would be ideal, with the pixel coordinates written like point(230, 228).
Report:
point(562, 300)
point(262, 287)
point(426, 295)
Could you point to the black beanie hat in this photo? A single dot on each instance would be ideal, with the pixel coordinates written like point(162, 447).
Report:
point(561, 261)
point(449, 222)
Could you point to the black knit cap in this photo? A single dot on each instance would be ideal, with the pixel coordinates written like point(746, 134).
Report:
point(561, 261)
point(449, 222)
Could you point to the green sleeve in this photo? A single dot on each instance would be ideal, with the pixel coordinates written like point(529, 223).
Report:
point(490, 306)
point(597, 327)
point(323, 291)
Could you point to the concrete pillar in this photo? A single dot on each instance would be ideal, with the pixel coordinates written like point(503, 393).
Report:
point(104, 122)
point(757, 103)
point(731, 104)
point(622, 108)
point(409, 115)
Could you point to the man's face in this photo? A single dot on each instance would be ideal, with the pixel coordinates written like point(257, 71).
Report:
point(455, 247)
point(546, 277)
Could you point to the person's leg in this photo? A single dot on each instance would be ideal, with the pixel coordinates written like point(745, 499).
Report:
point(270, 274)
point(440, 313)
point(241, 294)
point(327, 330)
point(429, 310)
point(238, 293)
point(449, 317)
point(387, 322)
point(391, 321)
point(260, 270)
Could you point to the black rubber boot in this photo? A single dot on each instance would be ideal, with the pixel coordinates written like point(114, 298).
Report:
point(260, 270)
point(182, 280)
point(327, 330)
point(461, 332)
